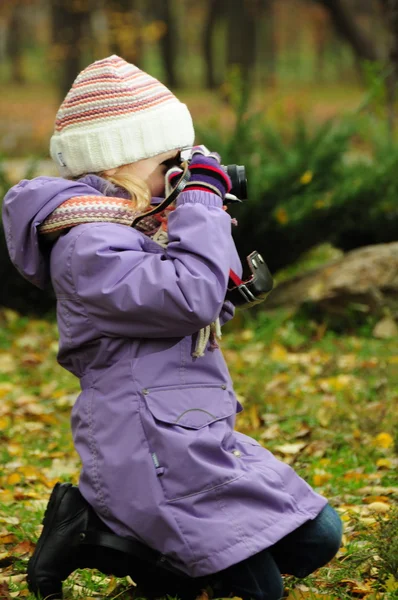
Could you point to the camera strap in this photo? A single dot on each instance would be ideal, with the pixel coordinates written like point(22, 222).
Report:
point(255, 288)
point(182, 182)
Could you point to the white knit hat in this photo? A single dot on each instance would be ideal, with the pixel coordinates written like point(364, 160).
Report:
point(115, 114)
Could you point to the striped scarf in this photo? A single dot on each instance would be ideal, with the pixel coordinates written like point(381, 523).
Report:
point(109, 209)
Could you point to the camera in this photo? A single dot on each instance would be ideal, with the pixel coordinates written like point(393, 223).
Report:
point(236, 173)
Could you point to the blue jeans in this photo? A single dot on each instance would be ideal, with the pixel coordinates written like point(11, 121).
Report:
point(300, 553)
point(259, 577)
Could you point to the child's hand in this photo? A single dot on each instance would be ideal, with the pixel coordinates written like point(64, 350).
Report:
point(206, 173)
point(201, 150)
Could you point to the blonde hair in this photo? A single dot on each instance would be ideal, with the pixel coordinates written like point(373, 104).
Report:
point(135, 186)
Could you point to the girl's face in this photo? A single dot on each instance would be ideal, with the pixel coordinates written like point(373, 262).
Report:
point(151, 170)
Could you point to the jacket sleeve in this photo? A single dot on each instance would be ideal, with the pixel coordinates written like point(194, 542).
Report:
point(130, 291)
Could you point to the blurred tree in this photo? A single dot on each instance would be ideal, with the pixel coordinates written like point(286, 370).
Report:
point(214, 12)
point(322, 39)
point(125, 29)
point(267, 42)
point(343, 19)
point(390, 11)
point(242, 18)
point(15, 39)
point(163, 12)
point(71, 38)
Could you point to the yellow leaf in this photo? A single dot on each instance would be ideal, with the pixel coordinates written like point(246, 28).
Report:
point(354, 476)
point(5, 388)
point(254, 417)
point(306, 177)
point(384, 463)
point(4, 423)
point(281, 216)
point(29, 472)
point(371, 499)
point(10, 315)
point(357, 587)
point(246, 335)
point(383, 440)
point(7, 538)
point(321, 478)
point(391, 584)
point(379, 507)
point(7, 363)
point(278, 353)
point(13, 479)
point(14, 450)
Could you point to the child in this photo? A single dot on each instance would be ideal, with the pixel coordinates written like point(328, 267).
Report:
point(138, 311)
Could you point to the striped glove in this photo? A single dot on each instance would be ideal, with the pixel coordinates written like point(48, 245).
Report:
point(207, 174)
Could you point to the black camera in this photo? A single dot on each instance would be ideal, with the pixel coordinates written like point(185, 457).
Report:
point(236, 173)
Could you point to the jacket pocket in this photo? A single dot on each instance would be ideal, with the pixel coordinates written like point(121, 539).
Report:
point(185, 428)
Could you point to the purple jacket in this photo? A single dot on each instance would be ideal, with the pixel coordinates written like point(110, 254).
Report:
point(154, 426)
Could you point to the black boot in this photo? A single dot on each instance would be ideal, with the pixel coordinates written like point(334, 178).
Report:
point(74, 537)
point(62, 548)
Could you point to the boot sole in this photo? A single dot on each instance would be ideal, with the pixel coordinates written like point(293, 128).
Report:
point(33, 583)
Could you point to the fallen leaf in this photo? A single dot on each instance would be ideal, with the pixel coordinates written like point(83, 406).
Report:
point(290, 448)
point(370, 499)
point(379, 489)
point(4, 423)
point(379, 507)
point(254, 416)
point(321, 478)
point(278, 353)
point(271, 433)
point(10, 520)
point(25, 547)
point(203, 596)
point(247, 335)
point(7, 363)
point(383, 440)
point(13, 578)
point(4, 591)
point(384, 463)
point(391, 584)
point(7, 538)
point(13, 479)
point(357, 587)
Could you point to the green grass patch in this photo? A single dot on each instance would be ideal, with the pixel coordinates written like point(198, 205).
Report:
point(326, 405)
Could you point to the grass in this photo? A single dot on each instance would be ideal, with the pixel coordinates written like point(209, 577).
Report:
point(324, 403)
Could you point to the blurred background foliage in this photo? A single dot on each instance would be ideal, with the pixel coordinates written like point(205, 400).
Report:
point(301, 92)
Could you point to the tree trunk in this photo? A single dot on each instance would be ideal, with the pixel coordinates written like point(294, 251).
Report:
point(15, 45)
point(70, 28)
point(212, 17)
point(242, 18)
point(169, 42)
point(269, 42)
point(390, 10)
point(344, 22)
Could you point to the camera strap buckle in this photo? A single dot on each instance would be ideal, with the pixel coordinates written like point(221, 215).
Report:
point(256, 288)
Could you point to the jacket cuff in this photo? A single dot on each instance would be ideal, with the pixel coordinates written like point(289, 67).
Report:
point(199, 197)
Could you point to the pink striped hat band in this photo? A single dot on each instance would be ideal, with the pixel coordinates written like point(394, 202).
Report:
point(115, 114)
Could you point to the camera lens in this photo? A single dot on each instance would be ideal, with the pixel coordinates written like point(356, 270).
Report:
point(237, 175)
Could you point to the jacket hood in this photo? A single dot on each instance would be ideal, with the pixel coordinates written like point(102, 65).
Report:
point(25, 207)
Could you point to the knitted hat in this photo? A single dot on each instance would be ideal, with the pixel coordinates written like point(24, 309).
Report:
point(115, 114)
